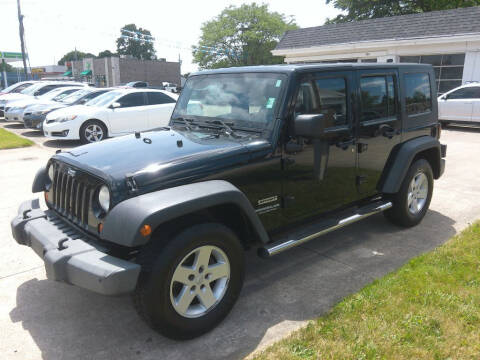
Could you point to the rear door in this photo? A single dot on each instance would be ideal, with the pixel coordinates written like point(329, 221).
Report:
point(457, 105)
point(132, 115)
point(379, 125)
point(160, 108)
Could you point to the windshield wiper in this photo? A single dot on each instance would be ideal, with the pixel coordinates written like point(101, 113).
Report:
point(186, 122)
point(226, 127)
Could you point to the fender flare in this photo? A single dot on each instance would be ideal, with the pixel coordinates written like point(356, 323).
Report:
point(401, 159)
point(122, 224)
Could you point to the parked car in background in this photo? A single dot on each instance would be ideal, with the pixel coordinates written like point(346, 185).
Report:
point(170, 86)
point(460, 105)
point(11, 91)
point(118, 112)
point(137, 84)
point(34, 115)
point(14, 109)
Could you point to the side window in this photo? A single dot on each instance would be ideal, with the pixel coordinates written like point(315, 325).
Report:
point(131, 100)
point(157, 98)
point(332, 100)
point(465, 93)
point(418, 95)
point(44, 90)
point(378, 97)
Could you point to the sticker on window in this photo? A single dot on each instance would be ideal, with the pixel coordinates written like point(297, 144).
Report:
point(278, 83)
point(270, 103)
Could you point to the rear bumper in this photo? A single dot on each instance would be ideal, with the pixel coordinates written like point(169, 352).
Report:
point(69, 255)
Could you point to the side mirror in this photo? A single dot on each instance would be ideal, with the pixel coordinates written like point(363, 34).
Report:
point(310, 125)
point(115, 105)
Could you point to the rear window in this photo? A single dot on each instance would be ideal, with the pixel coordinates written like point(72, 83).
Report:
point(418, 95)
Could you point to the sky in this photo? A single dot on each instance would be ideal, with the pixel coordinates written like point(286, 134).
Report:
point(55, 27)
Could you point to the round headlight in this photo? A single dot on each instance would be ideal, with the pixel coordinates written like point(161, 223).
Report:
point(50, 172)
point(104, 198)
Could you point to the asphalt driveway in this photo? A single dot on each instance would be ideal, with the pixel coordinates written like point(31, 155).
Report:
point(44, 319)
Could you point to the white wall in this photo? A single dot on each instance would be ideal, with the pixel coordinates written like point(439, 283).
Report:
point(471, 70)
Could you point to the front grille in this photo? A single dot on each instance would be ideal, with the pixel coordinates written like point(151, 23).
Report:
point(72, 193)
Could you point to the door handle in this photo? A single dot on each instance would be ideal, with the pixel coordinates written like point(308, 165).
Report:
point(345, 144)
point(387, 131)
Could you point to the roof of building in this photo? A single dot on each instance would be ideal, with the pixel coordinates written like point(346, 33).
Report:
point(428, 24)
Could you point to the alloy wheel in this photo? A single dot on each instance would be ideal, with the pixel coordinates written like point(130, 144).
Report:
point(417, 193)
point(93, 133)
point(200, 281)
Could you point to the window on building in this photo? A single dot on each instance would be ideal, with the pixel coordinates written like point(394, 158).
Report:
point(448, 69)
point(418, 95)
point(131, 100)
point(472, 92)
point(157, 98)
point(378, 97)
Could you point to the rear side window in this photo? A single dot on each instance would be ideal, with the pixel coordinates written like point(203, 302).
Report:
point(156, 98)
point(333, 100)
point(418, 95)
point(378, 97)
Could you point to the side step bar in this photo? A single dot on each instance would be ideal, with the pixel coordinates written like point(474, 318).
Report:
point(362, 213)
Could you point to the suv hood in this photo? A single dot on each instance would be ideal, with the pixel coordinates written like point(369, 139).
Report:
point(163, 158)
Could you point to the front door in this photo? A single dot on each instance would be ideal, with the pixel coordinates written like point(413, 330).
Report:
point(379, 125)
point(131, 116)
point(320, 173)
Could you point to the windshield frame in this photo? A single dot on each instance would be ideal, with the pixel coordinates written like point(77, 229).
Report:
point(239, 124)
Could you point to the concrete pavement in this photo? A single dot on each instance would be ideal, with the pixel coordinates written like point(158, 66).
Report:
point(44, 319)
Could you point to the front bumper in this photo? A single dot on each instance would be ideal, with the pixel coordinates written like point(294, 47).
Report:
point(68, 130)
point(31, 121)
point(16, 115)
point(71, 256)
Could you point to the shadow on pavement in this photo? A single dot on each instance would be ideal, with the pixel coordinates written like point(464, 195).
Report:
point(298, 285)
point(9, 125)
point(462, 128)
point(62, 144)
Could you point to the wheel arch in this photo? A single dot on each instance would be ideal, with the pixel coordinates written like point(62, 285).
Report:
point(403, 155)
point(169, 210)
point(104, 123)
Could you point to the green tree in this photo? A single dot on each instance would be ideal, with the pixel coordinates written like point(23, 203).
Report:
point(242, 35)
point(6, 67)
point(137, 42)
point(105, 53)
point(355, 10)
point(74, 55)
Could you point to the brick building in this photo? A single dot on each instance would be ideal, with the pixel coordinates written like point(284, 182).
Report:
point(114, 71)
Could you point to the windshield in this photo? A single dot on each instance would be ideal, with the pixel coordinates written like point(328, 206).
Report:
point(104, 99)
point(64, 94)
point(15, 86)
point(52, 93)
point(71, 98)
point(246, 99)
point(31, 89)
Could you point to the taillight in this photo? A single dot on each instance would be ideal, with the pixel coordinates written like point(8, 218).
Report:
point(436, 131)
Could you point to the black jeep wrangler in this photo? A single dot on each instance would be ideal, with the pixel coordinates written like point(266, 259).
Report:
point(265, 157)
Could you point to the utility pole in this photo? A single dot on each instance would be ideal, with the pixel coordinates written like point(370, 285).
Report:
point(22, 39)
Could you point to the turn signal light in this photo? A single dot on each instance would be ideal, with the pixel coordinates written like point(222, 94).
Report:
point(100, 227)
point(145, 230)
point(45, 194)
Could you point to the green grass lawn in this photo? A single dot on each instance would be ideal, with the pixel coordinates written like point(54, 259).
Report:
point(9, 140)
point(428, 309)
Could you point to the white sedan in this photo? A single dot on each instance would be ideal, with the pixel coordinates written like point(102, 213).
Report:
point(460, 105)
point(118, 112)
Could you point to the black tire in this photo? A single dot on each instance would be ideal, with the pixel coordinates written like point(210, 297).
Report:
point(400, 214)
point(88, 123)
point(159, 260)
